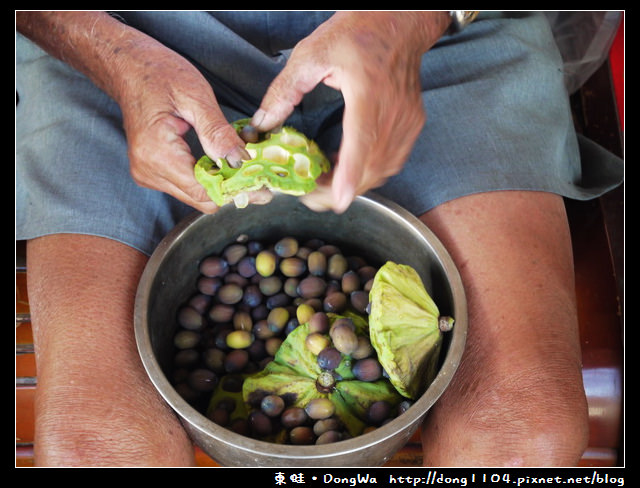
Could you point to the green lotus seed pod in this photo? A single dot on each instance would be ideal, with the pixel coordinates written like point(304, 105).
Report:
point(295, 374)
point(403, 327)
point(285, 161)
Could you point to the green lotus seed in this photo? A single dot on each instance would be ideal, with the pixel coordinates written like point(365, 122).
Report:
point(239, 339)
point(316, 342)
point(266, 263)
point(278, 318)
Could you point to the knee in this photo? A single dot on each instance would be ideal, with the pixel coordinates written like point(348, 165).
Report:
point(553, 432)
point(91, 443)
point(526, 425)
point(79, 427)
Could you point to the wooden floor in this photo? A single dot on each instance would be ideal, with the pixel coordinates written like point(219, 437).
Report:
point(597, 231)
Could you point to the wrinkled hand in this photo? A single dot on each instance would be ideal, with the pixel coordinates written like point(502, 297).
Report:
point(161, 98)
point(373, 58)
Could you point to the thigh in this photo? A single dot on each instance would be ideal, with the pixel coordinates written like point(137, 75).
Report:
point(517, 397)
point(498, 118)
point(95, 404)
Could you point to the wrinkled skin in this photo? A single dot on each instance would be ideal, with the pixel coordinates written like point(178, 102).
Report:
point(162, 95)
point(373, 59)
point(158, 110)
point(515, 416)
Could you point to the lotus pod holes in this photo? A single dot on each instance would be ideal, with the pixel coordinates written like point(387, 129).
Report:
point(285, 161)
point(261, 354)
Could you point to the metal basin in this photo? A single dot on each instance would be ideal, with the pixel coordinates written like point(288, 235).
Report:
point(375, 228)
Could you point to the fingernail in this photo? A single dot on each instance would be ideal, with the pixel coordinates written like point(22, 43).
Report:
point(258, 118)
point(343, 199)
point(261, 197)
point(264, 121)
point(319, 200)
point(236, 156)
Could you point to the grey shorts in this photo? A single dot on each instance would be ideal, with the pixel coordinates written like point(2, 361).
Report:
point(498, 118)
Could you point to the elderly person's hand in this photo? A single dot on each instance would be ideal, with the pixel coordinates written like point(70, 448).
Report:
point(373, 59)
point(161, 96)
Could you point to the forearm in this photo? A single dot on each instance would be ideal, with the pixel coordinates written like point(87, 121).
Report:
point(94, 43)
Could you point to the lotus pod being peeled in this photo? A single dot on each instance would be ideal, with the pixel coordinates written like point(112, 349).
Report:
point(403, 326)
point(285, 161)
point(294, 373)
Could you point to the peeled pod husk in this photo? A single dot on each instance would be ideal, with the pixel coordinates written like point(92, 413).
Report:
point(403, 327)
point(294, 374)
point(285, 161)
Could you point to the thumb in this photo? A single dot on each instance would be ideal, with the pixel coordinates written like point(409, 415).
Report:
point(286, 92)
point(216, 135)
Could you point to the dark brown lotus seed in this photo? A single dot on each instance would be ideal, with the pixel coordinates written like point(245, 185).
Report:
point(329, 437)
point(260, 423)
point(302, 435)
point(214, 266)
point(293, 416)
point(186, 339)
point(378, 412)
point(368, 369)
point(190, 318)
point(329, 358)
point(292, 267)
point(272, 405)
point(234, 253)
point(203, 380)
point(236, 360)
point(230, 294)
point(344, 338)
point(312, 287)
point(335, 302)
point(317, 263)
point(286, 247)
point(320, 408)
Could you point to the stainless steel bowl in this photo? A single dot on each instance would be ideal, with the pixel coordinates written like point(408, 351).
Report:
point(374, 227)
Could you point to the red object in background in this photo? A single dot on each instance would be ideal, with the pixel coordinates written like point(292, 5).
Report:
point(616, 59)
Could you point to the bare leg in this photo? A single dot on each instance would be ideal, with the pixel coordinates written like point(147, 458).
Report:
point(94, 404)
point(517, 398)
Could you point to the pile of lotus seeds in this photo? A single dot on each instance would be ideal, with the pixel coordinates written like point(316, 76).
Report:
point(326, 383)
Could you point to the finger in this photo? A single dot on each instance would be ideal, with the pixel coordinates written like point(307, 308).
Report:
point(286, 92)
point(319, 200)
point(353, 156)
point(205, 206)
point(218, 138)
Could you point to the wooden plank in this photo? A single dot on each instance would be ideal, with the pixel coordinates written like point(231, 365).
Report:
point(24, 456)
point(25, 414)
